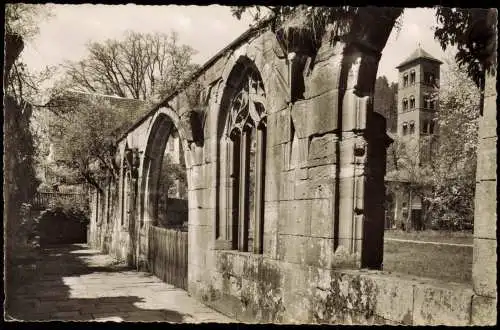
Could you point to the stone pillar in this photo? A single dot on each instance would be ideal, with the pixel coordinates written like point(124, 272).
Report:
point(484, 272)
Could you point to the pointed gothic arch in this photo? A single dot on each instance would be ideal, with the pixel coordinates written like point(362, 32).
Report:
point(241, 148)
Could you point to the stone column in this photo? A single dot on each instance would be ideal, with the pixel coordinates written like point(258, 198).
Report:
point(243, 189)
point(484, 271)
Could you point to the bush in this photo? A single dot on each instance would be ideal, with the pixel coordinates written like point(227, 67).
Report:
point(64, 222)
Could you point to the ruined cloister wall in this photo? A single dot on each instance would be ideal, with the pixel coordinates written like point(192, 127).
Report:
point(323, 195)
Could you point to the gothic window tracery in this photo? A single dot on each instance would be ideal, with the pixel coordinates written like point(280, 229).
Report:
point(243, 148)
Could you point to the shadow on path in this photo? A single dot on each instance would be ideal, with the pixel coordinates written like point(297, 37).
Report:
point(71, 282)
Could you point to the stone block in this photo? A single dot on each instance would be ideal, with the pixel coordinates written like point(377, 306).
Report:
point(322, 150)
point(320, 252)
point(295, 217)
point(282, 132)
point(301, 174)
point(485, 211)
point(287, 184)
point(484, 311)
point(487, 159)
point(322, 218)
point(433, 305)
point(209, 150)
point(277, 89)
point(323, 78)
point(272, 187)
point(274, 159)
point(198, 177)
point(270, 245)
point(394, 298)
point(301, 189)
point(488, 122)
point(484, 267)
point(298, 304)
point(317, 115)
point(321, 182)
point(270, 217)
point(292, 248)
point(490, 86)
point(354, 110)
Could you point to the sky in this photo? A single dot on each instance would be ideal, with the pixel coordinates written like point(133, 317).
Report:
point(207, 29)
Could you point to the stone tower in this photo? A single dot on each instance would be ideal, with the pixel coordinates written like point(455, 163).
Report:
point(417, 95)
point(418, 88)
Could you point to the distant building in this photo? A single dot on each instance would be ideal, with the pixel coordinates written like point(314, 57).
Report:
point(417, 106)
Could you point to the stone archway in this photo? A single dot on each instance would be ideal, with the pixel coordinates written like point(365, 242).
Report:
point(163, 214)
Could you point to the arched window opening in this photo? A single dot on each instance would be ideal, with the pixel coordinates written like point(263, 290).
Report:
point(405, 80)
point(405, 128)
point(412, 127)
point(412, 77)
point(431, 127)
point(242, 147)
point(164, 202)
point(405, 104)
point(425, 124)
point(412, 102)
point(171, 204)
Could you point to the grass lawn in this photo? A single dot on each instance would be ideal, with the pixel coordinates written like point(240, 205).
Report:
point(460, 237)
point(445, 262)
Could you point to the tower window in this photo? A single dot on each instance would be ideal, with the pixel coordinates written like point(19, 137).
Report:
point(429, 78)
point(405, 80)
point(405, 104)
point(412, 77)
point(412, 102)
point(412, 127)
point(405, 128)
point(425, 123)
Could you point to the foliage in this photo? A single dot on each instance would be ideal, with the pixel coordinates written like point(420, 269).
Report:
point(140, 66)
point(84, 140)
point(21, 24)
point(454, 168)
point(473, 31)
point(446, 180)
point(26, 233)
point(384, 101)
point(23, 19)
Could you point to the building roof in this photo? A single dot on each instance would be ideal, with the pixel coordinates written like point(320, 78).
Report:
point(418, 54)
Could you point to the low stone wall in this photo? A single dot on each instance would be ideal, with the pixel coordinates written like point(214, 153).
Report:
point(257, 289)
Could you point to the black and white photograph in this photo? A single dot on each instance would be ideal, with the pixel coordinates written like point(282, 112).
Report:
point(256, 164)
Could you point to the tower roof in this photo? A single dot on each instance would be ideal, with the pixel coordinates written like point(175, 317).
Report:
point(418, 54)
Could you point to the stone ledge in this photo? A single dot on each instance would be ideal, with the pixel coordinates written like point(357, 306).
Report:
point(484, 311)
point(365, 295)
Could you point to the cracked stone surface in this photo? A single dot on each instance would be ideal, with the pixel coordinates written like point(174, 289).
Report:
point(75, 283)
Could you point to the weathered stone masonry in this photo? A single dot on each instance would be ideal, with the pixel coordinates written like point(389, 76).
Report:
point(319, 190)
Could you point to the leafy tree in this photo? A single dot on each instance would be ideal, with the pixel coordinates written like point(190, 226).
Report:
point(84, 138)
point(406, 173)
point(473, 32)
point(21, 22)
point(445, 180)
point(140, 66)
point(20, 182)
point(384, 101)
point(454, 163)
